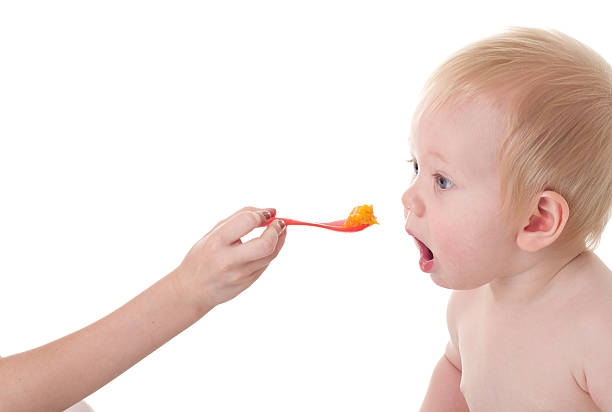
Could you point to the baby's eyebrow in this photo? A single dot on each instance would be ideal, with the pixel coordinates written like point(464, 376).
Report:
point(439, 156)
point(436, 154)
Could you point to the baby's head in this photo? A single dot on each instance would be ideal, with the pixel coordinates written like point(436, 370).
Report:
point(512, 144)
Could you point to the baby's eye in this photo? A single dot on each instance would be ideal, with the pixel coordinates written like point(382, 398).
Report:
point(415, 166)
point(443, 182)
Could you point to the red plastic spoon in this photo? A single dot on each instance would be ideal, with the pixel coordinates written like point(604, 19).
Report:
point(337, 225)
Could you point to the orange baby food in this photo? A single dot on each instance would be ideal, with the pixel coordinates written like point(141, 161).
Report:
point(361, 215)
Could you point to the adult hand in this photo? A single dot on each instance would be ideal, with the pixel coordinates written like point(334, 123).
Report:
point(220, 266)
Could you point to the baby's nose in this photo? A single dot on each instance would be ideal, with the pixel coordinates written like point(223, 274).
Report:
point(412, 203)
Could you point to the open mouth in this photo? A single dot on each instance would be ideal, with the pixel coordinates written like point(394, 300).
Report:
point(427, 257)
point(425, 251)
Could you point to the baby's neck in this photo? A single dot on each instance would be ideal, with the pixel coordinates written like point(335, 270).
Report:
point(532, 282)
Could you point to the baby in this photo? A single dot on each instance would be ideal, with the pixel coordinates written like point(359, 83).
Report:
point(512, 154)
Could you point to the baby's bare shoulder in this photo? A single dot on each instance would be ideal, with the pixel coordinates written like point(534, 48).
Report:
point(584, 301)
point(592, 314)
point(597, 296)
point(588, 288)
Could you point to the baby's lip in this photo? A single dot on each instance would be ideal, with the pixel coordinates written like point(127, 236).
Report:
point(411, 233)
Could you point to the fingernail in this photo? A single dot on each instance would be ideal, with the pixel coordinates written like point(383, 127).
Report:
point(267, 215)
point(282, 225)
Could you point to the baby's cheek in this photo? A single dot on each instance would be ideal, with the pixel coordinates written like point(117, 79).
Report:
point(462, 243)
point(454, 243)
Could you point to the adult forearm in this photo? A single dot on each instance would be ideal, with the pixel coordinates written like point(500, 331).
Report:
point(59, 374)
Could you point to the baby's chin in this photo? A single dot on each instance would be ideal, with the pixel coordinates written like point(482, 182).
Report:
point(455, 282)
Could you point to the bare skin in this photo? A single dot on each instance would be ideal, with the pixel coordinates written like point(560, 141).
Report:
point(217, 268)
point(535, 354)
point(529, 318)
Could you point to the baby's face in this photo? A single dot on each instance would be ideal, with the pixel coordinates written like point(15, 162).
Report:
point(453, 204)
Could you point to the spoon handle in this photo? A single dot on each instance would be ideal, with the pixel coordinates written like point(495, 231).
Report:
point(336, 225)
point(298, 222)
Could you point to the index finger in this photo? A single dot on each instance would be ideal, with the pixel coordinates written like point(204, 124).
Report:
point(241, 224)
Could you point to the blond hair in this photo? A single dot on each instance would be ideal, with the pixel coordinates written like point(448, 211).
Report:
point(557, 94)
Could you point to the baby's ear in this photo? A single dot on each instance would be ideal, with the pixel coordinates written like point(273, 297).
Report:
point(546, 222)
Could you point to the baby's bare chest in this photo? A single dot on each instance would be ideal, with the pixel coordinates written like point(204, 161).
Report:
point(520, 361)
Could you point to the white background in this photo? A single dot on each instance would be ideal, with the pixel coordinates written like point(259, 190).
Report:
point(128, 129)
